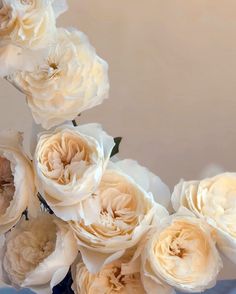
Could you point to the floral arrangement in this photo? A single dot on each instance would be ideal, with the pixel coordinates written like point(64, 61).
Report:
point(75, 218)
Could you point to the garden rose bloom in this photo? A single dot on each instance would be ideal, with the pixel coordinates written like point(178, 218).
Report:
point(122, 213)
point(34, 254)
point(70, 80)
point(69, 163)
point(17, 191)
point(180, 252)
point(213, 199)
point(113, 278)
point(26, 25)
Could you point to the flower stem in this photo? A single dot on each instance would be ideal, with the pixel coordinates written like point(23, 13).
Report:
point(74, 123)
point(44, 203)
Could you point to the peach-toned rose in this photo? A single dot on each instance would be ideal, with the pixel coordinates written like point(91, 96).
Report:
point(118, 214)
point(113, 278)
point(214, 200)
point(69, 163)
point(180, 252)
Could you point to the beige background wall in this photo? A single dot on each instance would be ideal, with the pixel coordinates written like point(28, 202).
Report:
point(173, 82)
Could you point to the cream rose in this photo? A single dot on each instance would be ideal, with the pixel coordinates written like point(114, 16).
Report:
point(118, 214)
point(72, 79)
point(180, 252)
point(213, 199)
point(113, 278)
point(26, 25)
point(17, 190)
point(69, 164)
point(29, 23)
point(34, 254)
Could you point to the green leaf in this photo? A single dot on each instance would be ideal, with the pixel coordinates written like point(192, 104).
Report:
point(116, 148)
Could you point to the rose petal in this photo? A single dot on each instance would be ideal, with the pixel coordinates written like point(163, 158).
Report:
point(147, 180)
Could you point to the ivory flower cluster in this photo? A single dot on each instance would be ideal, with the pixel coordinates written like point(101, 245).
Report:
point(101, 208)
point(111, 216)
point(72, 214)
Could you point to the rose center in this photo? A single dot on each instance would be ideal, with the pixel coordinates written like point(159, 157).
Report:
point(112, 213)
point(52, 70)
point(65, 159)
point(45, 249)
point(53, 65)
point(116, 279)
point(26, 2)
point(7, 188)
point(176, 248)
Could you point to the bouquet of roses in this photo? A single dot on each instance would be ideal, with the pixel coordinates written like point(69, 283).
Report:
point(73, 217)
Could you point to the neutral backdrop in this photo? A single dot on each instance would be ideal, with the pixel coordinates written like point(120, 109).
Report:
point(173, 83)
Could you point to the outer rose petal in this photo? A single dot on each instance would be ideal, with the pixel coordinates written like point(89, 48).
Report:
point(152, 284)
point(59, 7)
point(177, 198)
point(147, 180)
point(225, 242)
point(94, 261)
point(14, 58)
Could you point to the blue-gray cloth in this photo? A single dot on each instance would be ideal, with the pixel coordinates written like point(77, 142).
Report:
point(224, 287)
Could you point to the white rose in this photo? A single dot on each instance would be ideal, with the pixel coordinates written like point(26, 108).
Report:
point(17, 190)
point(180, 252)
point(113, 278)
point(118, 214)
point(38, 253)
point(213, 199)
point(29, 23)
point(26, 25)
point(71, 79)
point(69, 164)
